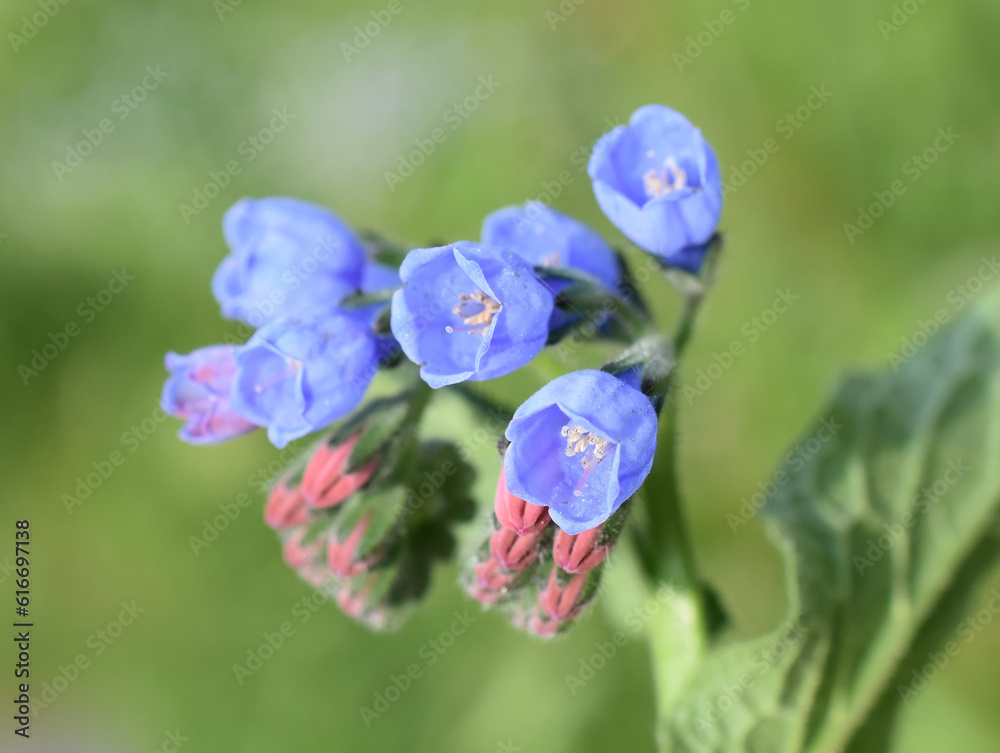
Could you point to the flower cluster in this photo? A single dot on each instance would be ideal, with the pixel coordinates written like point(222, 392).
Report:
point(332, 307)
point(542, 575)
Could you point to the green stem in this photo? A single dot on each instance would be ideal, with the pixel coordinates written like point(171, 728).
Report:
point(678, 633)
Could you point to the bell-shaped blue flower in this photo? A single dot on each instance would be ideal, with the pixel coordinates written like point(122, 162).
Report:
point(658, 181)
point(581, 446)
point(198, 391)
point(300, 373)
point(544, 237)
point(286, 257)
point(467, 311)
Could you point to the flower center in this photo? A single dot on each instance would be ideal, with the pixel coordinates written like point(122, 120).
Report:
point(671, 178)
point(593, 447)
point(477, 311)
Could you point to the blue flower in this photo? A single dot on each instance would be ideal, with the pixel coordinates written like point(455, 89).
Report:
point(198, 391)
point(378, 277)
point(467, 311)
point(301, 373)
point(581, 446)
point(544, 237)
point(286, 257)
point(658, 181)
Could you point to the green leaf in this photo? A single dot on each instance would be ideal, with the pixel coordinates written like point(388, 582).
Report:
point(888, 518)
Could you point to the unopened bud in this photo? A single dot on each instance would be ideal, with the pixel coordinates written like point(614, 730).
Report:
point(285, 508)
point(342, 556)
point(512, 551)
point(325, 483)
point(562, 602)
point(542, 626)
point(516, 514)
point(579, 553)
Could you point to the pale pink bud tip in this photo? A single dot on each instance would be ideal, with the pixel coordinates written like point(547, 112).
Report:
point(298, 556)
point(324, 483)
point(491, 576)
point(356, 605)
point(579, 553)
point(285, 508)
point(516, 514)
point(342, 557)
point(542, 626)
point(512, 551)
point(560, 602)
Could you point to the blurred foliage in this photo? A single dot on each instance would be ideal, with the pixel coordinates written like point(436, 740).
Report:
point(353, 119)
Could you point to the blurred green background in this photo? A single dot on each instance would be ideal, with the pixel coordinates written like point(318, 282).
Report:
point(64, 232)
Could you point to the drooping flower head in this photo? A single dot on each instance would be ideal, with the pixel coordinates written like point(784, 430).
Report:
point(198, 391)
point(544, 237)
point(286, 256)
point(658, 181)
point(301, 373)
point(467, 311)
point(581, 446)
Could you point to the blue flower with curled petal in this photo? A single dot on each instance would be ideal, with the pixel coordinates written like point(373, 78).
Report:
point(546, 238)
point(198, 391)
point(300, 373)
point(581, 446)
point(286, 256)
point(467, 311)
point(658, 181)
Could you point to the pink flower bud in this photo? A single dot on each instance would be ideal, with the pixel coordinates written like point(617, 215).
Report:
point(579, 553)
point(542, 626)
point(516, 514)
point(512, 551)
point(324, 483)
point(296, 555)
point(356, 605)
point(342, 557)
point(560, 602)
point(285, 508)
point(491, 576)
